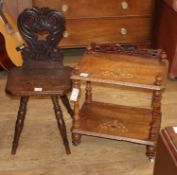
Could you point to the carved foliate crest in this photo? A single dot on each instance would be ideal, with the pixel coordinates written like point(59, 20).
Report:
point(42, 29)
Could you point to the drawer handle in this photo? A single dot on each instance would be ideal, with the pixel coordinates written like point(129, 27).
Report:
point(123, 31)
point(124, 5)
point(66, 34)
point(64, 8)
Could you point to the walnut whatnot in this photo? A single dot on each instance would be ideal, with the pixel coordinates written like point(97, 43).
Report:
point(123, 66)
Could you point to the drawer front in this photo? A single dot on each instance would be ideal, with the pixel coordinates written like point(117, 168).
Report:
point(82, 32)
point(99, 8)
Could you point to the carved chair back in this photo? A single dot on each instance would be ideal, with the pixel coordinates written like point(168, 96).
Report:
point(42, 29)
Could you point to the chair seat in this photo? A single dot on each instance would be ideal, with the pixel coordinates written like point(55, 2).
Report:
point(23, 82)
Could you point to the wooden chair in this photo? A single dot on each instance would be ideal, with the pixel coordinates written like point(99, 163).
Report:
point(43, 72)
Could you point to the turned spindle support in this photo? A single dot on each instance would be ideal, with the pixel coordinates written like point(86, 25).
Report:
point(156, 118)
point(76, 137)
point(88, 92)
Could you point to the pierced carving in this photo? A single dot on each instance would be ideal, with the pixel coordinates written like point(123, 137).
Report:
point(123, 49)
point(42, 29)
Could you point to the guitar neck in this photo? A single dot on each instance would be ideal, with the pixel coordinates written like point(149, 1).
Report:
point(3, 17)
point(7, 24)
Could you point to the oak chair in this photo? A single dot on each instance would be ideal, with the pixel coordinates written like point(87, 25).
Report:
point(43, 72)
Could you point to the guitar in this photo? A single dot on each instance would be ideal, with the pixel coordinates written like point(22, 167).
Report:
point(11, 42)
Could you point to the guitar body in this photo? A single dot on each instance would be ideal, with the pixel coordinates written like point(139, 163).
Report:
point(9, 41)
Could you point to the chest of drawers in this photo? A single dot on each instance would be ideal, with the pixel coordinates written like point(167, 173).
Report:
point(103, 21)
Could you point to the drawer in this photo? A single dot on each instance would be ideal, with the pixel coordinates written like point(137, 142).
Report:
point(81, 32)
point(99, 8)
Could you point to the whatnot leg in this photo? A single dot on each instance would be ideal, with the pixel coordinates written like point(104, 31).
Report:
point(156, 119)
point(76, 138)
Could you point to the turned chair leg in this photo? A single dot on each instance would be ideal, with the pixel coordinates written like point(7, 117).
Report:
point(61, 123)
point(66, 103)
point(19, 123)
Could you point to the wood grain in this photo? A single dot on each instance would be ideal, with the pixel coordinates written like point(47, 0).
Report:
point(115, 122)
point(50, 81)
point(109, 30)
point(166, 161)
point(91, 9)
point(118, 66)
point(165, 35)
point(41, 150)
point(119, 69)
point(100, 21)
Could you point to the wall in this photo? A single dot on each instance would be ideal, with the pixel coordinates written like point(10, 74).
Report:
point(14, 7)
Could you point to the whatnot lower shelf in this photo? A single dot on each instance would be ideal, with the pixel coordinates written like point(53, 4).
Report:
point(115, 122)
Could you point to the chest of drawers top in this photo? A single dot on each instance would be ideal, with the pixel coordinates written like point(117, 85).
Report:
point(104, 21)
point(75, 9)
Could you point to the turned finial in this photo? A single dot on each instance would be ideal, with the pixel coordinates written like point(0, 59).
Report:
point(91, 48)
point(76, 70)
point(158, 80)
point(163, 56)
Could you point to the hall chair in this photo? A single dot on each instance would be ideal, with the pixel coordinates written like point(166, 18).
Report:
point(43, 72)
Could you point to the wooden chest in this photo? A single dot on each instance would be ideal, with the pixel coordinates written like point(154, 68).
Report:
point(165, 33)
point(166, 160)
point(103, 21)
